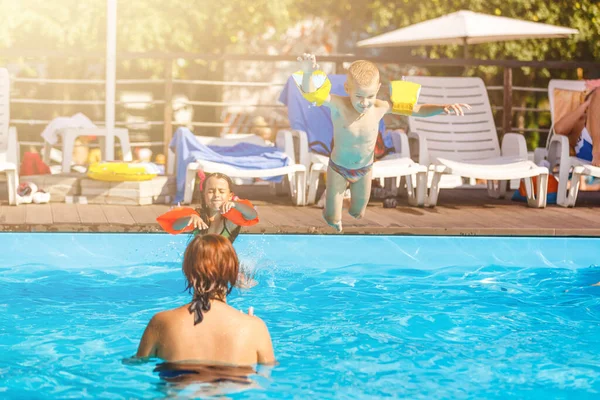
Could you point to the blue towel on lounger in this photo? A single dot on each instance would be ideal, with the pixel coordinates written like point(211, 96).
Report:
point(241, 155)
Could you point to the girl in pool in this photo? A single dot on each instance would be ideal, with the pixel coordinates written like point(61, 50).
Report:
point(221, 212)
point(207, 328)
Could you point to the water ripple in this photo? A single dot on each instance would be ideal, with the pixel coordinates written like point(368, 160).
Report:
point(351, 331)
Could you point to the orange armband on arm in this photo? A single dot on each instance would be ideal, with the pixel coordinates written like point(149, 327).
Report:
point(404, 96)
point(168, 220)
point(238, 218)
point(320, 81)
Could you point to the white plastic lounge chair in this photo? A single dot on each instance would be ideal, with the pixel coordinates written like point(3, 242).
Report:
point(397, 165)
point(9, 149)
point(468, 145)
point(69, 135)
point(558, 152)
point(295, 173)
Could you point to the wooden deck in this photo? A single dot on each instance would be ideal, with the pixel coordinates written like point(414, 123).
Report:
point(460, 212)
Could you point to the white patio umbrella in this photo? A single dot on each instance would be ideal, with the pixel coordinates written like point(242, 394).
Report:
point(466, 27)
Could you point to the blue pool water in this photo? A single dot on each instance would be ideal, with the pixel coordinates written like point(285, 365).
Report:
point(351, 317)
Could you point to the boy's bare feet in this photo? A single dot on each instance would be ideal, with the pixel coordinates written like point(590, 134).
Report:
point(335, 225)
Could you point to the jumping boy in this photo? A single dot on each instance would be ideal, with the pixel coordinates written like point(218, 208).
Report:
point(355, 129)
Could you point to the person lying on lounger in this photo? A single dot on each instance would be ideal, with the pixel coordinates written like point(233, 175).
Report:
point(582, 127)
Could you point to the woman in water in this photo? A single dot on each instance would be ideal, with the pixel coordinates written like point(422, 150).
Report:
point(207, 328)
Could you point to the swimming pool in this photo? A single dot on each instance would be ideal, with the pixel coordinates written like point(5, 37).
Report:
point(350, 316)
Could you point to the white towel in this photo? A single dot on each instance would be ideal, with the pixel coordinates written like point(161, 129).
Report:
point(78, 120)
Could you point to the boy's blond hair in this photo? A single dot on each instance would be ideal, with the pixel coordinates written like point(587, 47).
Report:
point(363, 72)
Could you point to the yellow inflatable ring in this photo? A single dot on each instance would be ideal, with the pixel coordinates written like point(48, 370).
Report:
point(122, 171)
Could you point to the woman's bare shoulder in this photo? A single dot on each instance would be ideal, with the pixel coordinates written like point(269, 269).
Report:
point(232, 312)
point(257, 325)
point(167, 316)
point(242, 317)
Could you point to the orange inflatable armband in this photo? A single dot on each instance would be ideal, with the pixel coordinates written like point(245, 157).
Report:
point(237, 218)
point(168, 220)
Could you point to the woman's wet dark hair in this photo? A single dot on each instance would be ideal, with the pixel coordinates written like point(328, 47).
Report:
point(211, 267)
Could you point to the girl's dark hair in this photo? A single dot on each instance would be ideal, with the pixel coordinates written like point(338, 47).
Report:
point(211, 267)
point(219, 176)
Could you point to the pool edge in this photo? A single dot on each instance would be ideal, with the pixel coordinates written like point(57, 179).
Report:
point(314, 230)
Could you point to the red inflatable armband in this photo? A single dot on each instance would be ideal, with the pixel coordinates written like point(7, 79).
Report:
point(237, 218)
point(168, 220)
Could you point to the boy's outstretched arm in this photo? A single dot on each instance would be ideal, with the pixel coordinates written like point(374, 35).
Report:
point(404, 96)
point(429, 110)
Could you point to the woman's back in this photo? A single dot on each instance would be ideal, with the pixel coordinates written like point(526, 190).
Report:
point(225, 335)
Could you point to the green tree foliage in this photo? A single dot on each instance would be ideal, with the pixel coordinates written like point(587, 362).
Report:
point(196, 26)
point(143, 25)
point(371, 17)
point(208, 26)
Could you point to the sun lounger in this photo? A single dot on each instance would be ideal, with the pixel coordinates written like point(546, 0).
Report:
point(468, 145)
point(9, 149)
point(244, 156)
